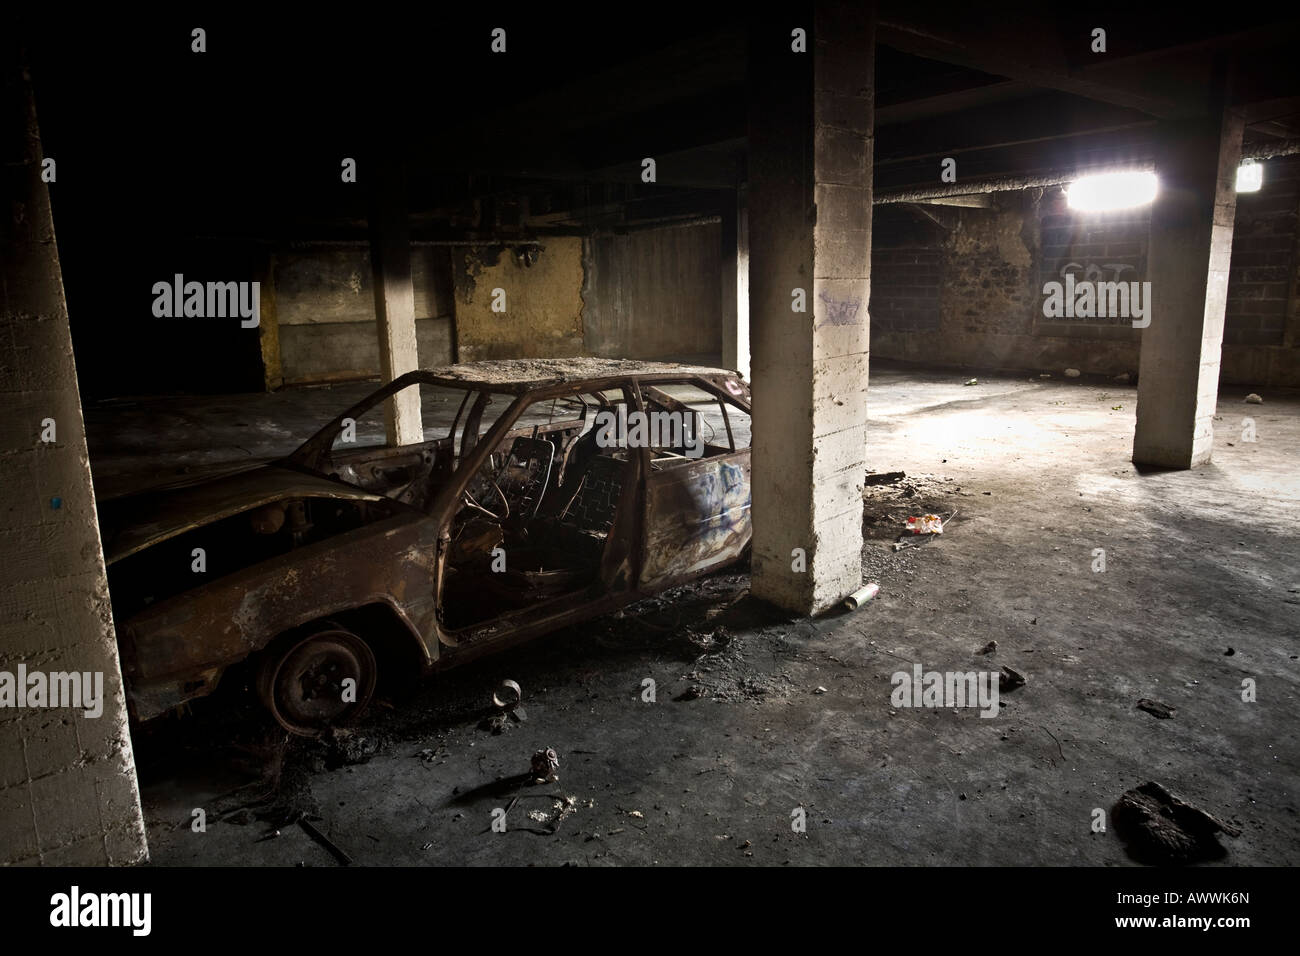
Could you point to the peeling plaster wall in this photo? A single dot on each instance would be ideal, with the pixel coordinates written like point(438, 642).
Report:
point(543, 302)
point(962, 287)
point(68, 793)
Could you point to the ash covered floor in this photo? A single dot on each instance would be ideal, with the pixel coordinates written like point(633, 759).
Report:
point(758, 714)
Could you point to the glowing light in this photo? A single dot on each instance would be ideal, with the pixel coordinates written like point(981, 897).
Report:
point(1107, 191)
point(1250, 176)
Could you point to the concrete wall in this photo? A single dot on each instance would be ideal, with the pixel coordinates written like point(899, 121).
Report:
point(543, 304)
point(652, 294)
point(323, 313)
point(655, 294)
point(67, 781)
point(966, 290)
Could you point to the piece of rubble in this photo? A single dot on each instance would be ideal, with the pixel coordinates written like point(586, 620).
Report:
point(545, 765)
point(1009, 679)
point(1159, 827)
point(1254, 399)
point(1072, 373)
point(988, 648)
point(1156, 709)
point(498, 724)
point(884, 478)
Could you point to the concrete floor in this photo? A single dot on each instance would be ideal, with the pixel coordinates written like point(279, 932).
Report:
point(1198, 564)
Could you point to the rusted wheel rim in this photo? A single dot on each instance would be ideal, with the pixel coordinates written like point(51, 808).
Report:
point(307, 684)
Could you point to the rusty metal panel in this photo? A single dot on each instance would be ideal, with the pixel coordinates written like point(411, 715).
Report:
point(697, 518)
point(141, 521)
point(221, 623)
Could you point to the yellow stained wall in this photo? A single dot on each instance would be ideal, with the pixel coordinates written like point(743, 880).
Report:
point(543, 302)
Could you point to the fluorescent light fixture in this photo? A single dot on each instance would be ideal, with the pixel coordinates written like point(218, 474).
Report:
point(1107, 191)
point(1250, 176)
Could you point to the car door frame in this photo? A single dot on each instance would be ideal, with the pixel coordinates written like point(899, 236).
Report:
point(618, 572)
point(722, 549)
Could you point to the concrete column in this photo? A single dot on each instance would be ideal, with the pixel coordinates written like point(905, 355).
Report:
point(735, 284)
point(810, 135)
point(390, 261)
point(68, 792)
point(1191, 247)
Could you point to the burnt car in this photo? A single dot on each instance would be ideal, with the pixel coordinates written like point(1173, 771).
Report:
point(526, 504)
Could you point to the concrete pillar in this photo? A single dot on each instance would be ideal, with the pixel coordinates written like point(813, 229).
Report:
point(390, 261)
point(810, 135)
point(1191, 247)
point(68, 793)
point(735, 284)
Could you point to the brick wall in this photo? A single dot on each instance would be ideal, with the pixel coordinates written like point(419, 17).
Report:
point(905, 288)
point(1096, 247)
point(955, 286)
point(1263, 257)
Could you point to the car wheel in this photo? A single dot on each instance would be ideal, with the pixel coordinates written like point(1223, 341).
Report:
point(304, 685)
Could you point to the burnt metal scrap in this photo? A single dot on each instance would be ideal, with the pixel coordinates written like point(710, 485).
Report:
point(344, 557)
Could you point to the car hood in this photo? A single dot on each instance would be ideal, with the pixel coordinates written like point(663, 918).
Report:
point(134, 522)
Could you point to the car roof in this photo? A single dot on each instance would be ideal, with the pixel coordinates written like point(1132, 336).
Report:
point(521, 375)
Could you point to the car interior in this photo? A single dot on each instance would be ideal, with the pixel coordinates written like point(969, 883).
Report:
point(535, 519)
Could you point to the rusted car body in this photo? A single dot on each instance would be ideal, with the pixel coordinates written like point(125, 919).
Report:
point(426, 554)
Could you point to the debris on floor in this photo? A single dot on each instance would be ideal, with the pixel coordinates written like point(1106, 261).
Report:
point(1156, 709)
point(498, 724)
point(546, 765)
point(324, 841)
point(1122, 379)
point(1072, 373)
point(709, 641)
point(861, 596)
point(1254, 399)
point(508, 695)
point(972, 381)
point(925, 524)
point(340, 747)
point(988, 648)
point(884, 478)
point(1159, 827)
point(1009, 679)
